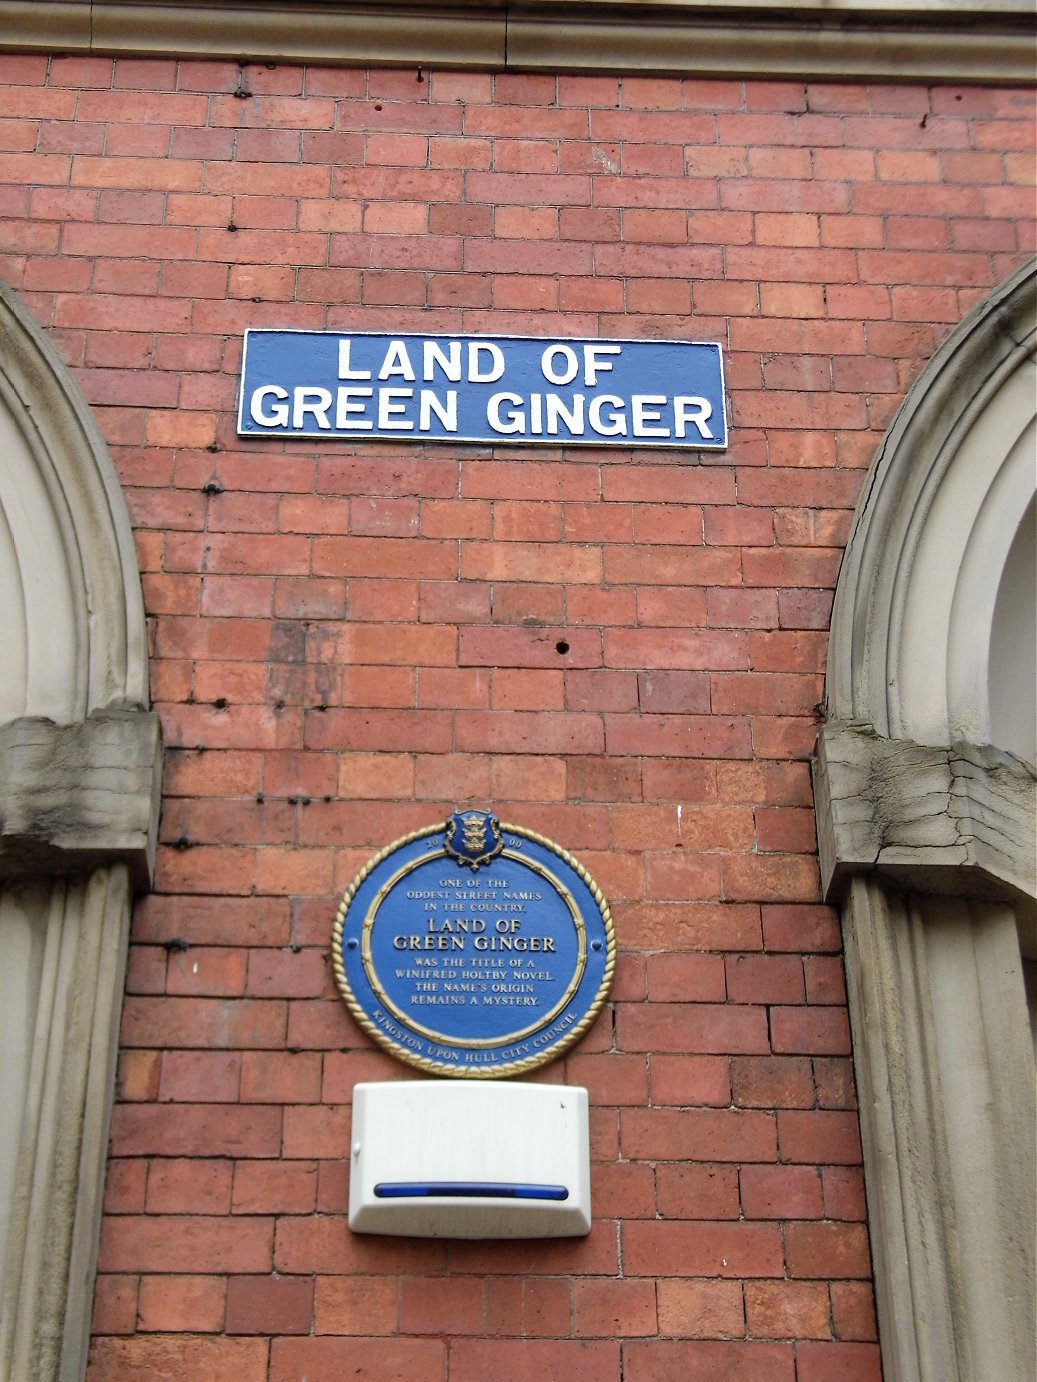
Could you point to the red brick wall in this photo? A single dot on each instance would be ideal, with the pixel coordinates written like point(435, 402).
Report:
point(350, 641)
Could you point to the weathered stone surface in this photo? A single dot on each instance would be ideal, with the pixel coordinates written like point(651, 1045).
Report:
point(927, 842)
point(845, 39)
point(948, 1139)
point(52, 1174)
point(911, 813)
point(73, 796)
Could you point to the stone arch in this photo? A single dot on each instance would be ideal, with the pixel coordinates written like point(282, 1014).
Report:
point(79, 781)
point(925, 789)
point(947, 494)
point(71, 587)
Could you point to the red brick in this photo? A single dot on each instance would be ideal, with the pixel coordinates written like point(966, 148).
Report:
point(781, 1192)
point(192, 1186)
point(295, 974)
point(697, 1249)
point(825, 979)
point(595, 1255)
point(355, 1305)
point(693, 1027)
point(787, 1309)
point(853, 1311)
point(321, 1024)
point(203, 1023)
point(390, 1360)
point(200, 1077)
point(754, 609)
point(701, 1309)
point(528, 1307)
point(690, 1080)
point(280, 1077)
point(827, 1250)
point(182, 1304)
point(375, 730)
point(698, 926)
point(833, 1076)
point(323, 1244)
point(623, 1190)
point(678, 736)
point(528, 561)
point(206, 971)
point(765, 979)
point(819, 1136)
point(682, 875)
point(802, 929)
point(611, 1078)
point(216, 920)
point(146, 969)
point(769, 878)
point(601, 690)
point(685, 978)
point(671, 566)
point(527, 732)
point(824, 1031)
point(196, 1130)
point(844, 1192)
point(697, 1134)
point(772, 1082)
point(115, 1305)
point(838, 1362)
point(680, 648)
point(375, 686)
point(144, 1359)
point(697, 1191)
point(527, 690)
point(666, 1361)
point(787, 651)
point(190, 1245)
point(677, 781)
point(441, 1305)
point(124, 1187)
point(269, 1305)
point(531, 1360)
point(274, 1187)
point(614, 1309)
point(785, 830)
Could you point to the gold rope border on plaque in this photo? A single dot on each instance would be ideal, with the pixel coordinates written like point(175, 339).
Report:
point(433, 1067)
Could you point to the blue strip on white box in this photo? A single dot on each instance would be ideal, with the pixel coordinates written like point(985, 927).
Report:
point(494, 390)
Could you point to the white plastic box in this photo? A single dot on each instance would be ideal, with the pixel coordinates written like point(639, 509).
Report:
point(456, 1159)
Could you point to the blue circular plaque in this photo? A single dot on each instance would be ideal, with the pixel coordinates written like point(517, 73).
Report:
point(474, 949)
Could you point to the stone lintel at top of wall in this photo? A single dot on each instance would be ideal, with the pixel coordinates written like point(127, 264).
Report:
point(989, 41)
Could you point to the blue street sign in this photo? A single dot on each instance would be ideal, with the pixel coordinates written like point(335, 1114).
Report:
point(474, 950)
point(489, 389)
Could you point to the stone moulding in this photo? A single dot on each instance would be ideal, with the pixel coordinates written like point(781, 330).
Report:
point(79, 795)
point(950, 485)
point(849, 40)
point(926, 842)
point(74, 628)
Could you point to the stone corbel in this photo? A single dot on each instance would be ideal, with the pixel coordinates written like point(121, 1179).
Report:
point(79, 795)
point(911, 813)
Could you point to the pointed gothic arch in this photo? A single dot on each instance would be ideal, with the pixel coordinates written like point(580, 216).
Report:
point(79, 780)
